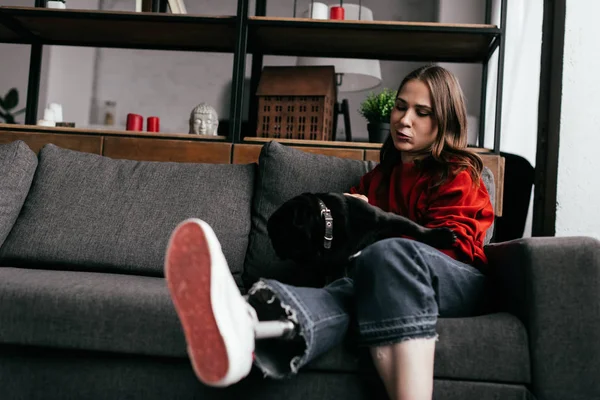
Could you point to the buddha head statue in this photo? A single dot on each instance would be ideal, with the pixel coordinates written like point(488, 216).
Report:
point(204, 120)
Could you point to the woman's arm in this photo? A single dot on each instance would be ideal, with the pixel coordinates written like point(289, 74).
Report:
point(358, 196)
point(467, 210)
point(364, 184)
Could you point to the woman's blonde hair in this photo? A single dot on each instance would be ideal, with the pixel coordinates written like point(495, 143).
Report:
point(449, 152)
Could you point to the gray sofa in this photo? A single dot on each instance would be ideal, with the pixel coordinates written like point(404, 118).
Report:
point(85, 313)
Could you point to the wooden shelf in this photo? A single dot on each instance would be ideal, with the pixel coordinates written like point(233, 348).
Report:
point(381, 40)
point(30, 25)
point(107, 132)
point(322, 143)
point(7, 35)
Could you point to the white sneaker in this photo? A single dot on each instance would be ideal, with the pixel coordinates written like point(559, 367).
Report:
point(218, 323)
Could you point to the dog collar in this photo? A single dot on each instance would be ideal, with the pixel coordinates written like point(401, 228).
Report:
point(326, 213)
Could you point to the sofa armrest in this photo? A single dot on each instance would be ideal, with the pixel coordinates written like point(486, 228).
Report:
point(553, 285)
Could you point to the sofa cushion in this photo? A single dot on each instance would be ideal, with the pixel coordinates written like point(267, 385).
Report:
point(285, 172)
point(491, 347)
point(92, 213)
point(116, 313)
point(17, 167)
point(129, 314)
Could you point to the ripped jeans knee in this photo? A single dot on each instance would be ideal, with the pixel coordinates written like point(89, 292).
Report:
point(321, 315)
point(276, 357)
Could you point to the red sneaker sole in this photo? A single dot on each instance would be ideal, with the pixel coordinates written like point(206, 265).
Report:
point(189, 277)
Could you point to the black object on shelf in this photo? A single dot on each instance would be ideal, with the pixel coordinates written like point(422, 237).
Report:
point(344, 109)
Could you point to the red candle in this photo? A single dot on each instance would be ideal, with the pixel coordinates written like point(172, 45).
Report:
point(336, 13)
point(135, 122)
point(152, 124)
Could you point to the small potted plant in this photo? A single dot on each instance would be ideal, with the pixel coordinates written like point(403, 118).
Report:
point(7, 104)
point(376, 109)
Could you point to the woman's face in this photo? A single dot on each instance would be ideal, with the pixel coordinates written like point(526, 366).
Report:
point(412, 124)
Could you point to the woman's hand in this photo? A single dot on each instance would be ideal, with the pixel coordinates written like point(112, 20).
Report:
point(358, 196)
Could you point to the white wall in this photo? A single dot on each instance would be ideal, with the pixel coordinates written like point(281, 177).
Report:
point(578, 188)
point(13, 74)
point(70, 76)
point(521, 82)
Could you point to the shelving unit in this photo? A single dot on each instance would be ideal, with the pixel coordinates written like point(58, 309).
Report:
point(257, 35)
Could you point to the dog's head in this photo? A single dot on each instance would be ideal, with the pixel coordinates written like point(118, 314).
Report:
point(296, 229)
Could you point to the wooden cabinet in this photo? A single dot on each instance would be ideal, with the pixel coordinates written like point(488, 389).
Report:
point(37, 140)
point(165, 149)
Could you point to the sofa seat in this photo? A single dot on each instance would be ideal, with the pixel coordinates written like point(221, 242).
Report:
point(491, 347)
point(88, 311)
point(132, 314)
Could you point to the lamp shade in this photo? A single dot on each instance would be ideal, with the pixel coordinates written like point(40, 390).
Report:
point(357, 74)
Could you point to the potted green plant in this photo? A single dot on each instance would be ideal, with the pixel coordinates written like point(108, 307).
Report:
point(376, 109)
point(7, 104)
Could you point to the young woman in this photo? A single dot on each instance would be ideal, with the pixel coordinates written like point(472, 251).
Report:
point(398, 288)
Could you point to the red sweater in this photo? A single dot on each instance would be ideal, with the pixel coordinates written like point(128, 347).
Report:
point(456, 204)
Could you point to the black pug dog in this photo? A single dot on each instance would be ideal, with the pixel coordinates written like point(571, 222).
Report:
point(324, 230)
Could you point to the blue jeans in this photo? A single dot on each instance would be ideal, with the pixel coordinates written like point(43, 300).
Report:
point(396, 291)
